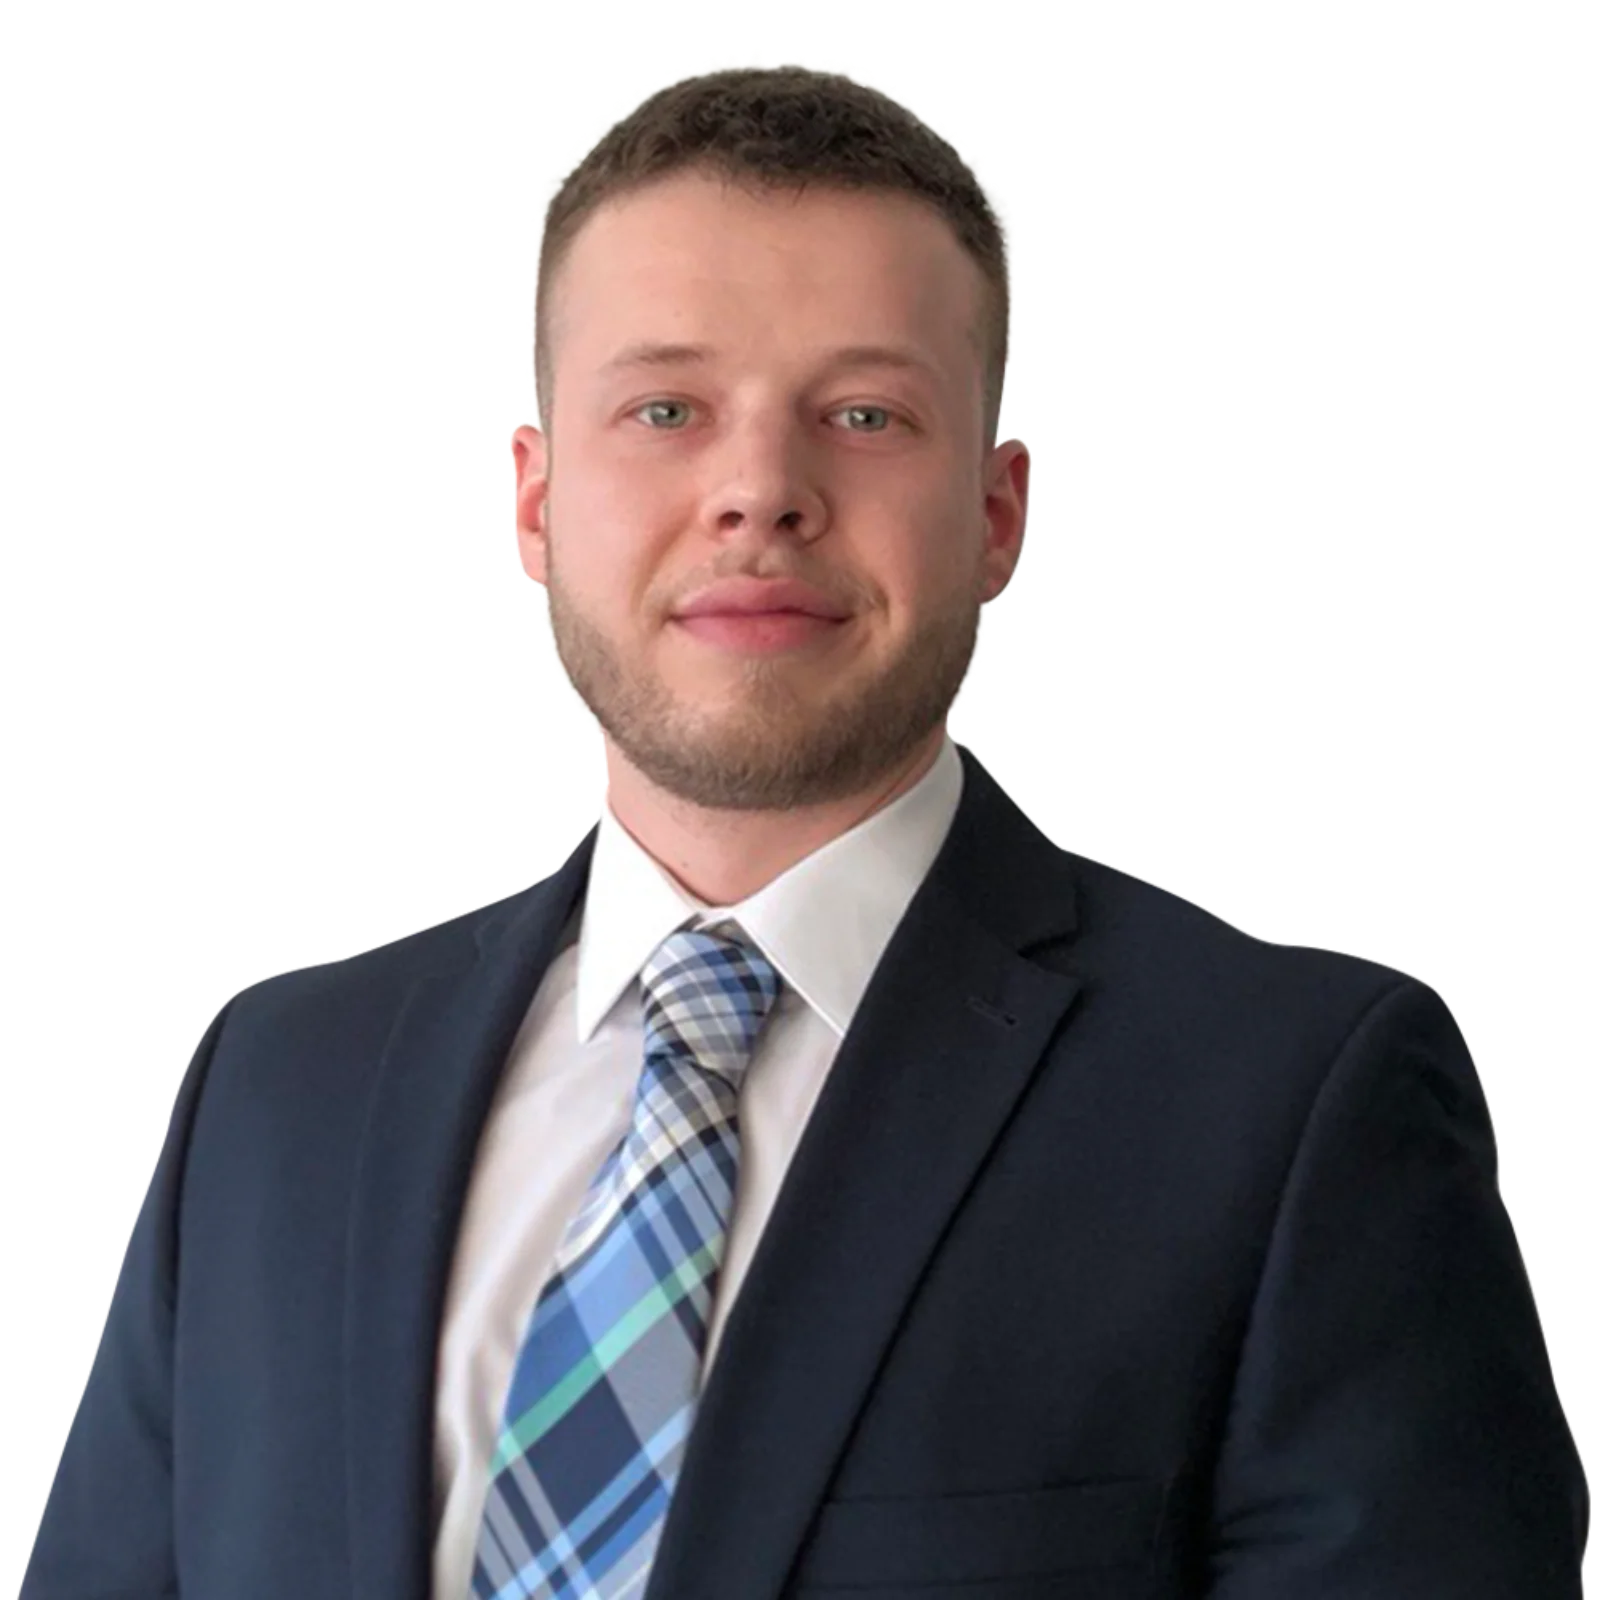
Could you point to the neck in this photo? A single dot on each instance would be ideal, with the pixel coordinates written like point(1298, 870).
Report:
point(722, 857)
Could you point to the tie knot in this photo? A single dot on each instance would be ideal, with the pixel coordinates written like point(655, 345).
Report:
point(706, 996)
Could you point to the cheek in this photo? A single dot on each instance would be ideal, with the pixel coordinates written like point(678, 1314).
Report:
point(616, 500)
point(608, 548)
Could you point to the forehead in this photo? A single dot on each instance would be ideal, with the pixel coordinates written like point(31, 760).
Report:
point(696, 258)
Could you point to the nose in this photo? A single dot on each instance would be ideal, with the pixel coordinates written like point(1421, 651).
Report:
point(765, 479)
point(758, 502)
point(792, 519)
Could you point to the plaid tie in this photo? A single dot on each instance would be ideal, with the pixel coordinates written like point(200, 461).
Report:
point(605, 1385)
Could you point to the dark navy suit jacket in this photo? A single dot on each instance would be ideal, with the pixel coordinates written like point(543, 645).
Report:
point(1125, 1256)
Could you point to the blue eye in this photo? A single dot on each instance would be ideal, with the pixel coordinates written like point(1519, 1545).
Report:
point(653, 405)
point(856, 411)
point(660, 405)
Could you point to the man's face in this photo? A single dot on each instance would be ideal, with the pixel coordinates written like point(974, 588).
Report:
point(770, 455)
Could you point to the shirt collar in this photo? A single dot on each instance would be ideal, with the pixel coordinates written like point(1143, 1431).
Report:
point(823, 923)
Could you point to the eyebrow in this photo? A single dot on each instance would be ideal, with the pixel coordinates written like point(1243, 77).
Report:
point(649, 354)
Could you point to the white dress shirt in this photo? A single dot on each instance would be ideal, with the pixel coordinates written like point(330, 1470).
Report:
point(566, 1095)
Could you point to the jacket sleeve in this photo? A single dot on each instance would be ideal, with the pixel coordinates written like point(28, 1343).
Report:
point(108, 1522)
point(1394, 1428)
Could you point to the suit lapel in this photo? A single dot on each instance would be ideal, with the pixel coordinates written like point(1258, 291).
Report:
point(951, 1028)
point(434, 1088)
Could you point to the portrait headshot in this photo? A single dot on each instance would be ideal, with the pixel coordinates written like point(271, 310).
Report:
point(804, 806)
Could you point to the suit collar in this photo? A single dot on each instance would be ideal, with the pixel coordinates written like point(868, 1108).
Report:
point(950, 1029)
point(994, 864)
point(823, 923)
point(950, 1032)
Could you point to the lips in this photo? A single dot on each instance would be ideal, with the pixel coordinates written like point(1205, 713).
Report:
point(759, 633)
point(759, 596)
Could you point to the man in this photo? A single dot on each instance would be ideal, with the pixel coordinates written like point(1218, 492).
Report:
point(822, 1184)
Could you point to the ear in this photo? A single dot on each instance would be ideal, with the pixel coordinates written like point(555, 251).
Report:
point(531, 453)
point(1005, 512)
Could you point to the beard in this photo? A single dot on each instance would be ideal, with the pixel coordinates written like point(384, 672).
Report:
point(768, 746)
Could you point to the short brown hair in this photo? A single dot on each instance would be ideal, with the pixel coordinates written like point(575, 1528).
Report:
point(782, 128)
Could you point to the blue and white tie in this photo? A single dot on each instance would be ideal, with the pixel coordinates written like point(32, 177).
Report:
point(604, 1390)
